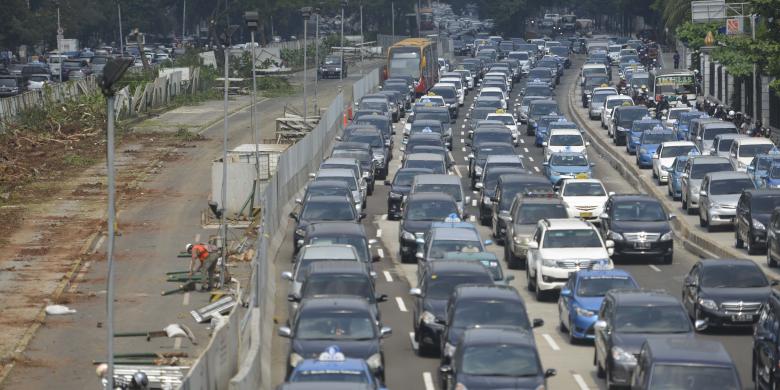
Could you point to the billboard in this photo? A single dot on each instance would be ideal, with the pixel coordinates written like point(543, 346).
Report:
point(734, 26)
point(708, 11)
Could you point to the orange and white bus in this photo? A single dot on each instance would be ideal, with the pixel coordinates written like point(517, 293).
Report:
point(416, 57)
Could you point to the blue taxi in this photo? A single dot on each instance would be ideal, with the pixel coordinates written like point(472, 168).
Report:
point(581, 298)
point(332, 366)
point(760, 165)
point(543, 127)
point(681, 126)
point(674, 186)
point(570, 165)
point(771, 178)
point(634, 135)
point(649, 143)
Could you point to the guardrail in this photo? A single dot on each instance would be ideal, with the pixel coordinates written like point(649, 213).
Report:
point(248, 336)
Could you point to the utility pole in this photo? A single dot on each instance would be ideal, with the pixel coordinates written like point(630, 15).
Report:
point(223, 221)
point(343, 5)
point(60, 37)
point(121, 37)
point(183, 22)
point(361, 39)
point(392, 18)
point(252, 21)
point(316, 60)
point(306, 13)
point(755, 88)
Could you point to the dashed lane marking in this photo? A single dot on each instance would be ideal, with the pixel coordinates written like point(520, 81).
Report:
point(536, 169)
point(100, 243)
point(552, 342)
point(526, 150)
point(580, 382)
point(384, 217)
point(428, 381)
point(401, 304)
point(462, 141)
point(415, 345)
point(378, 233)
point(473, 203)
point(522, 141)
point(185, 301)
point(381, 253)
point(388, 277)
point(654, 268)
point(457, 170)
point(531, 159)
point(463, 148)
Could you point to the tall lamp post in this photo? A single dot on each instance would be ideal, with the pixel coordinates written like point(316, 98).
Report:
point(252, 19)
point(306, 13)
point(317, 57)
point(112, 72)
point(225, 38)
point(361, 38)
point(343, 5)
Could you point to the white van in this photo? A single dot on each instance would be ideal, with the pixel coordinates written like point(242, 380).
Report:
point(744, 149)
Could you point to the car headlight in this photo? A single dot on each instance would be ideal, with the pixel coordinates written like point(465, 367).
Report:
point(427, 318)
point(615, 236)
point(708, 304)
point(395, 195)
point(300, 232)
point(548, 262)
point(642, 151)
point(478, 170)
point(521, 240)
point(621, 129)
point(460, 386)
point(620, 355)
point(583, 312)
point(555, 173)
point(374, 361)
point(295, 359)
point(758, 225)
point(449, 349)
point(667, 236)
point(407, 236)
point(486, 200)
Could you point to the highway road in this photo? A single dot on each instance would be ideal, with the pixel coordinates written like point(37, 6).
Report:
point(406, 370)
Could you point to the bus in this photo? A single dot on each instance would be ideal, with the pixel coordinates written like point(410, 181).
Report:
point(416, 57)
point(674, 86)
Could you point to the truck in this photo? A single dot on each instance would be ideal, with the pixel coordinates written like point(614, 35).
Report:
point(585, 27)
point(69, 44)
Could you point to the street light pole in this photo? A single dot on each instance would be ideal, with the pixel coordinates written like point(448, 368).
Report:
point(230, 29)
point(343, 5)
point(60, 37)
point(392, 18)
point(361, 39)
point(316, 60)
point(121, 37)
point(183, 22)
point(306, 12)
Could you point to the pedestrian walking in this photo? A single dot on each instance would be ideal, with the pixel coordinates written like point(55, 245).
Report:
point(676, 59)
point(207, 262)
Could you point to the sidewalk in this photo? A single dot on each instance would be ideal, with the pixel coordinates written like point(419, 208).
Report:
point(158, 215)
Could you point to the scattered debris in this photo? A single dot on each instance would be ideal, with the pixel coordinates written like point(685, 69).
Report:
point(56, 310)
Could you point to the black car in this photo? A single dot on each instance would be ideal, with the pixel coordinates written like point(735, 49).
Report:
point(724, 292)
point(487, 187)
point(434, 150)
point(685, 364)
point(380, 147)
point(639, 226)
point(495, 358)
point(380, 122)
point(524, 215)
point(481, 152)
point(590, 83)
point(363, 153)
point(752, 223)
point(332, 67)
point(766, 343)
point(428, 139)
point(490, 134)
point(398, 100)
point(439, 279)
point(450, 96)
point(347, 321)
point(623, 118)
point(325, 187)
point(399, 189)
point(773, 238)
point(348, 233)
point(507, 188)
point(323, 208)
point(474, 305)
point(11, 86)
point(538, 109)
point(440, 114)
point(419, 211)
point(627, 318)
point(403, 89)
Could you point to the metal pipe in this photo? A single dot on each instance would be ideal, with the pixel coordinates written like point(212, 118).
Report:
point(111, 237)
point(252, 113)
point(317, 63)
point(361, 39)
point(305, 44)
point(121, 37)
point(392, 18)
point(341, 74)
point(223, 221)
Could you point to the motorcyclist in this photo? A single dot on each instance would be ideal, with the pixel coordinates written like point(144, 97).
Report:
point(662, 105)
point(684, 100)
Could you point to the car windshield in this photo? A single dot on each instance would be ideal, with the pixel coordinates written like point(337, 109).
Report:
point(359, 243)
point(724, 145)
point(340, 375)
point(568, 160)
point(657, 138)
point(700, 170)
point(381, 124)
point(441, 286)
point(483, 153)
point(566, 140)
point(571, 238)
point(441, 116)
point(440, 247)
point(675, 151)
point(584, 189)
point(404, 64)
point(359, 155)
point(404, 178)
point(764, 204)
point(430, 210)
point(599, 98)
point(340, 325)
point(597, 286)
point(692, 377)
point(496, 94)
point(639, 127)
point(332, 60)
point(372, 139)
point(350, 181)
point(492, 136)
point(328, 211)
point(638, 82)
point(327, 191)
point(752, 150)
point(492, 175)
point(710, 133)
point(594, 81)
point(500, 360)
point(355, 285)
point(453, 190)
point(543, 109)
point(505, 119)
point(489, 312)
point(436, 166)
point(490, 103)
point(639, 211)
point(538, 90)
point(651, 319)
point(733, 276)
point(447, 93)
point(764, 163)
point(730, 186)
point(627, 117)
point(531, 213)
point(373, 105)
point(425, 128)
point(539, 74)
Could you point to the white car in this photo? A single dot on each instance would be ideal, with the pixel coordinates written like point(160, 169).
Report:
point(564, 140)
point(584, 198)
point(560, 247)
point(494, 92)
point(469, 77)
point(38, 81)
point(671, 117)
point(455, 83)
point(508, 120)
point(744, 149)
point(665, 155)
point(609, 104)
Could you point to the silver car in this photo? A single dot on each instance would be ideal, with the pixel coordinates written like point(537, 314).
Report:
point(448, 184)
point(718, 197)
point(690, 180)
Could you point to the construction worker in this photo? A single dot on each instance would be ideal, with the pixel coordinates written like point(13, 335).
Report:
point(207, 262)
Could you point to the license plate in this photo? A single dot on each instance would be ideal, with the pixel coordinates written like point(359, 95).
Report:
point(586, 214)
point(642, 245)
point(742, 317)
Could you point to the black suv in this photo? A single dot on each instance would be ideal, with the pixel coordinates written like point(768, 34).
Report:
point(724, 292)
point(627, 318)
point(639, 226)
point(773, 238)
point(508, 186)
point(419, 211)
point(750, 225)
point(332, 67)
point(680, 364)
point(766, 343)
point(399, 189)
point(11, 86)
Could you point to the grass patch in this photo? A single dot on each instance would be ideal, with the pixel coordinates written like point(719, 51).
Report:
point(273, 86)
point(184, 134)
point(76, 160)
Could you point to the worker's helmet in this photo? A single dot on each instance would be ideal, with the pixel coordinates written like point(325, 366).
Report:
point(188, 248)
point(140, 381)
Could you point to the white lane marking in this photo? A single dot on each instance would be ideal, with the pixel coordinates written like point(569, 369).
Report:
point(472, 218)
point(531, 159)
point(462, 133)
point(378, 233)
point(100, 243)
point(466, 158)
point(177, 343)
point(197, 237)
point(457, 171)
point(526, 150)
point(473, 203)
point(388, 277)
point(381, 253)
point(475, 191)
point(463, 127)
point(550, 341)
point(463, 148)
point(580, 382)
point(428, 381)
point(401, 304)
point(462, 141)
point(654, 268)
point(384, 217)
point(522, 141)
point(185, 301)
point(415, 345)
point(536, 169)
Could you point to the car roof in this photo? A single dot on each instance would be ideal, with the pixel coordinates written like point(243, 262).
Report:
point(323, 386)
point(426, 122)
point(502, 158)
point(425, 196)
point(437, 178)
point(754, 141)
point(329, 251)
point(328, 183)
point(335, 172)
point(523, 178)
point(341, 160)
point(454, 233)
point(566, 224)
point(336, 227)
point(337, 267)
point(708, 159)
point(565, 131)
point(335, 303)
point(643, 297)
point(731, 136)
point(717, 262)
point(487, 291)
point(634, 198)
point(456, 267)
point(498, 335)
point(616, 272)
point(728, 175)
point(678, 143)
point(688, 351)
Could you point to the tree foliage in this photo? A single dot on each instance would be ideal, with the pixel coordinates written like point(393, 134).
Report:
point(693, 34)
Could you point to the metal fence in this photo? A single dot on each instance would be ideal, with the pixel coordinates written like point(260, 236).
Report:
point(54, 93)
point(253, 329)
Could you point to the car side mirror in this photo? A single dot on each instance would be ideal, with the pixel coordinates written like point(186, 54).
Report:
point(284, 331)
point(690, 282)
point(509, 278)
point(419, 256)
point(294, 216)
point(382, 298)
point(440, 321)
point(312, 175)
point(592, 164)
point(587, 143)
point(299, 201)
point(362, 216)
point(565, 292)
point(375, 258)
point(537, 323)
point(546, 164)
point(610, 193)
point(601, 325)
point(470, 156)
point(293, 298)
point(339, 138)
point(445, 370)
point(388, 182)
point(416, 292)
point(385, 331)
point(609, 244)
point(672, 216)
point(533, 245)
point(702, 193)
point(655, 156)
point(544, 144)
point(700, 325)
point(488, 242)
point(604, 216)
point(550, 372)
point(287, 275)
point(479, 185)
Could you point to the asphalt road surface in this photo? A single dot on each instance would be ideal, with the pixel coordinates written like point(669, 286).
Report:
point(406, 370)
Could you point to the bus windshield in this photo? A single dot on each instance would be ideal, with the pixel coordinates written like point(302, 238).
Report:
point(674, 84)
point(404, 62)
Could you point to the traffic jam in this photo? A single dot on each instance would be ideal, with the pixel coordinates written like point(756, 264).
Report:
point(465, 233)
